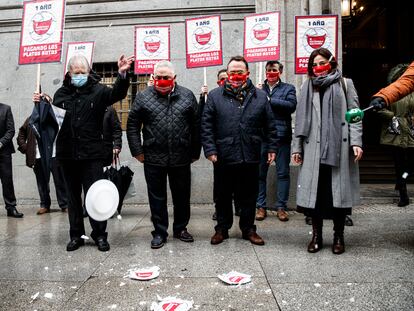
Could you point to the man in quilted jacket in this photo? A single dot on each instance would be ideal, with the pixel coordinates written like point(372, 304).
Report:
point(167, 114)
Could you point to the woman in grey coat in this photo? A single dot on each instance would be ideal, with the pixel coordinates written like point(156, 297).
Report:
point(327, 148)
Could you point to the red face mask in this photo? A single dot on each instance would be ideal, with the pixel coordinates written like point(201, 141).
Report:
point(272, 77)
point(322, 70)
point(163, 87)
point(221, 82)
point(237, 80)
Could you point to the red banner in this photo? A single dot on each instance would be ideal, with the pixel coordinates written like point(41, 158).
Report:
point(42, 32)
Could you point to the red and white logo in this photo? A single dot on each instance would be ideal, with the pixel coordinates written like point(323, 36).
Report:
point(235, 278)
point(145, 274)
point(172, 304)
point(43, 25)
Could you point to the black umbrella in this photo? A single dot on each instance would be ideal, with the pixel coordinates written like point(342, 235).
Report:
point(45, 127)
point(121, 176)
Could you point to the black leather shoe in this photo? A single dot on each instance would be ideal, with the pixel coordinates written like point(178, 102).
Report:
point(348, 221)
point(158, 241)
point(103, 244)
point(184, 236)
point(12, 212)
point(74, 244)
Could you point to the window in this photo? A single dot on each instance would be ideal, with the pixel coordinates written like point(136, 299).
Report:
point(108, 72)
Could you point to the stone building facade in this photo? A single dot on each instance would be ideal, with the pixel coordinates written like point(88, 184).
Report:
point(110, 24)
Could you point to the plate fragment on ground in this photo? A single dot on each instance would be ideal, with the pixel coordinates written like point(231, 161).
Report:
point(235, 278)
point(171, 303)
point(144, 274)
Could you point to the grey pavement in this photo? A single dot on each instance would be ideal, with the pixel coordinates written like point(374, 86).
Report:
point(375, 273)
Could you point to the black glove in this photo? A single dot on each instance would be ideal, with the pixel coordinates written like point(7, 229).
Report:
point(377, 103)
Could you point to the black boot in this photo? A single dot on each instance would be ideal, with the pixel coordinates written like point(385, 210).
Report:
point(404, 199)
point(12, 212)
point(338, 246)
point(315, 244)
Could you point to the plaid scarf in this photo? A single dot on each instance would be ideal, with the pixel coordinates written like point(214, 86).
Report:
point(240, 92)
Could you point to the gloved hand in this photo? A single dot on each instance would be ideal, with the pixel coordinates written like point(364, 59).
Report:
point(377, 103)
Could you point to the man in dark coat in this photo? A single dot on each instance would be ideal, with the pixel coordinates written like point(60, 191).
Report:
point(168, 116)
point(236, 119)
point(283, 102)
point(28, 144)
point(6, 149)
point(80, 146)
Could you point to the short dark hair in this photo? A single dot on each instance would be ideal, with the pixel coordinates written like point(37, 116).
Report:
point(323, 52)
point(238, 58)
point(220, 72)
point(274, 62)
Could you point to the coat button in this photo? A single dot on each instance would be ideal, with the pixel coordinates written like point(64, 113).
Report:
point(343, 123)
point(345, 139)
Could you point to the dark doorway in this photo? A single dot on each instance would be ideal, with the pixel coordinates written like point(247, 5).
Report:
point(378, 35)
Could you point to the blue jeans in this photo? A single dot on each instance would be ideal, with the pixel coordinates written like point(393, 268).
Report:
point(283, 176)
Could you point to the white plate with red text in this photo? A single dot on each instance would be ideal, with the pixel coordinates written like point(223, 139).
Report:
point(235, 278)
point(144, 274)
point(172, 304)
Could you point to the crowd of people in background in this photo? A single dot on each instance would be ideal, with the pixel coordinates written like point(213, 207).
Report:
point(241, 127)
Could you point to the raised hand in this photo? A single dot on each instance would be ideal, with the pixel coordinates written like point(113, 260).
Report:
point(124, 63)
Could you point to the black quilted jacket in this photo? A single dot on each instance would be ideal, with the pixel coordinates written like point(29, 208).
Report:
point(170, 126)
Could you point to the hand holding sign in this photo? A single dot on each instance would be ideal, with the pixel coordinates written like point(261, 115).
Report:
point(124, 63)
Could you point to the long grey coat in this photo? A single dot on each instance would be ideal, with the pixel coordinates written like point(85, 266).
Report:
point(345, 178)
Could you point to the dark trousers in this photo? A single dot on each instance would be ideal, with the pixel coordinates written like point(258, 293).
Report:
point(241, 180)
point(403, 162)
point(43, 185)
point(283, 176)
point(78, 175)
point(6, 176)
point(180, 185)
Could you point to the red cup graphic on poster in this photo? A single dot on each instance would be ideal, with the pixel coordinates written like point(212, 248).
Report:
point(42, 31)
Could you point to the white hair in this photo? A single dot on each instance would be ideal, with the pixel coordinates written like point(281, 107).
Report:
point(80, 60)
point(163, 64)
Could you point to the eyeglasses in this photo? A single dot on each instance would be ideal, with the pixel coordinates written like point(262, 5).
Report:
point(163, 78)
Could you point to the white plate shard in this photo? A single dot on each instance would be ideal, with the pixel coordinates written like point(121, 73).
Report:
point(235, 278)
point(144, 274)
point(171, 303)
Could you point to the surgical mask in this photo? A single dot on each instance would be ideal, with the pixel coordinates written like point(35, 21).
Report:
point(237, 80)
point(322, 70)
point(272, 77)
point(164, 87)
point(79, 80)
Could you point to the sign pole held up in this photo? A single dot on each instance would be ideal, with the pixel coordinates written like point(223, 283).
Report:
point(38, 79)
point(260, 73)
point(205, 81)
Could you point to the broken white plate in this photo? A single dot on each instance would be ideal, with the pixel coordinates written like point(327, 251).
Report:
point(145, 274)
point(235, 278)
point(172, 303)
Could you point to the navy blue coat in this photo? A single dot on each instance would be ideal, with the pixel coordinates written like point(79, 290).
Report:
point(235, 132)
point(283, 103)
